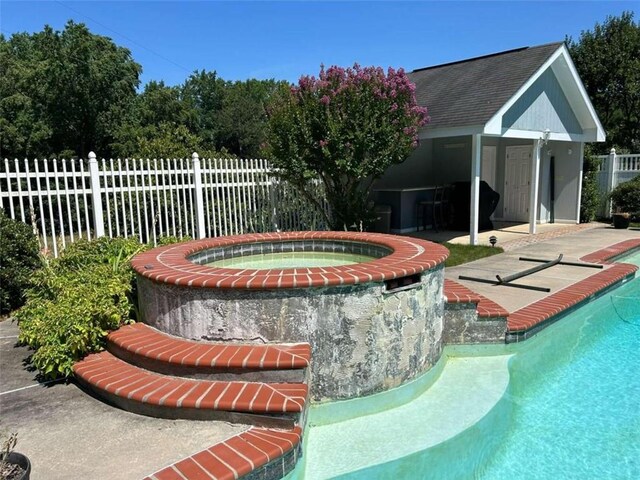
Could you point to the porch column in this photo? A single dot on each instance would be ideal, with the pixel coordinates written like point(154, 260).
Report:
point(535, 180)
point(579, 199)
point(476, 161)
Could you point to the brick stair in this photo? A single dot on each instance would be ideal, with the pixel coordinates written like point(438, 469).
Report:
point(263, 453)
point(146, 347)
point(455, 292)
point(148, 372)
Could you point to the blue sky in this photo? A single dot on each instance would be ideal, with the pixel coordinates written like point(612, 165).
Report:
point(283, 40)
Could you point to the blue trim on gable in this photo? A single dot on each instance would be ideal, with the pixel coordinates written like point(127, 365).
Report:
point(542, 106)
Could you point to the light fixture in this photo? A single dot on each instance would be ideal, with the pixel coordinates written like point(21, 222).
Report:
point(493, 240)
point(545, 136)
point(570, 152)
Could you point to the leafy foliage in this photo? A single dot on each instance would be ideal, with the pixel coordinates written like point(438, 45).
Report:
point(76, 299)
point(626, 197)
point(590, 195)
point(19, 258)
point(608, 61)
point(345, 127)
point(66, 93)
point(62, 92)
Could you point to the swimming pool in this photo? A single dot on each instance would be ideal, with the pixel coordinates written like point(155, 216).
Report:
point(571, 409)
point(575, 392)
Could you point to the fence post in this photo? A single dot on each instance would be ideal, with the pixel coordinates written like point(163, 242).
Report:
point(197, 186)
point(96, 196)
point(611, 177)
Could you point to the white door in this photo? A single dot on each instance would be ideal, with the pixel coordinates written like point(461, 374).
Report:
point(517, 183)
point(488, 171)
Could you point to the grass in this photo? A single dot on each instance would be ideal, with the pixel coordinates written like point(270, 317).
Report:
point(468, 253)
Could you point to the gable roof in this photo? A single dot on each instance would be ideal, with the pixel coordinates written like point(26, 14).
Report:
point(470, 92)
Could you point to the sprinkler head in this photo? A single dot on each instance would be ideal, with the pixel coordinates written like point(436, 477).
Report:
point(493, 240)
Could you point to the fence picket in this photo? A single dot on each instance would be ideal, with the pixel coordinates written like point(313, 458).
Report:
point(32, 213)
point(143, 197)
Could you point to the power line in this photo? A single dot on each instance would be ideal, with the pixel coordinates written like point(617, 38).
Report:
point(125, 37)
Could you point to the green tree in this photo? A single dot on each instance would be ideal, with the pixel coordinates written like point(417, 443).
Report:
point(204, 92)
point(242, 120)
point(608, 61)
point(158, 117)
point(345, 128)
point(63, 92)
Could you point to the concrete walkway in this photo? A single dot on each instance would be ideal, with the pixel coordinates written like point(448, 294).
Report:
point(510, 235)
point(573, 246)
point(68, 434)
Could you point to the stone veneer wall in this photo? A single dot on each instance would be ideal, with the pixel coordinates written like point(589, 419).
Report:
point(463, 326)
point(364, 339)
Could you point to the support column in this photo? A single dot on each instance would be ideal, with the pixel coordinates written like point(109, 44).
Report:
point(197, 187)
point(535, 181)
point(580, 165)
point(96, 196)
point(611, 179)
point(476, 162)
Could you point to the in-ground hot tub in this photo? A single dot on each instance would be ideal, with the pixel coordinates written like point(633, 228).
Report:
point(370, 305)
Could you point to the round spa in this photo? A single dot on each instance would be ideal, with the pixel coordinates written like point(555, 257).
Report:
point(369, 304)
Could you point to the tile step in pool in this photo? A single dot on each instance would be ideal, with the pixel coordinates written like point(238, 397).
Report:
point(464, 400)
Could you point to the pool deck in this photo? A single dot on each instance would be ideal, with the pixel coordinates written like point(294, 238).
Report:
point(568, 284)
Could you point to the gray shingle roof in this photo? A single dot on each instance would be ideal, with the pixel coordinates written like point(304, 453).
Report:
point(471, 91)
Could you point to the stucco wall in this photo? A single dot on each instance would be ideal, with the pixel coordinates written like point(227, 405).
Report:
point(567, 168)
point(364, 339)
point(415, 171)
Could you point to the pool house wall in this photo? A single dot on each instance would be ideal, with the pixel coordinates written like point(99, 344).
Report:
point(440, 161)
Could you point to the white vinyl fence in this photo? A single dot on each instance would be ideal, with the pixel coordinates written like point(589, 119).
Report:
point(66, 200)
point(614, 170)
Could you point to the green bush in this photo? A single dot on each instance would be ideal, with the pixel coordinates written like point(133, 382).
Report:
point(19, 258)
point(590, 196)
point(76, 300)
point(626, 197)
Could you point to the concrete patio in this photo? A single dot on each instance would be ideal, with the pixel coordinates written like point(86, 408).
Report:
point(510, 235)
point(68, 434)
point(572, 245)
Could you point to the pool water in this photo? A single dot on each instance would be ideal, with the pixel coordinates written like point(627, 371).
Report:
point(292, 260)
point(576, 397)
point(571, 410)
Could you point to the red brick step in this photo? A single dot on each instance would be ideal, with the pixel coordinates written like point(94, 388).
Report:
point(257, 450)
point(149, 393)
point(151, 349)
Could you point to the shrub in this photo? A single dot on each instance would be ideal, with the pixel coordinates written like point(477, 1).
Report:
point(590, 196)
point(76, 300)
point(19, 258)
point(626, 197)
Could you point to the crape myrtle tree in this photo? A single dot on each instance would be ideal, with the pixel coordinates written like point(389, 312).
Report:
point(345, 128)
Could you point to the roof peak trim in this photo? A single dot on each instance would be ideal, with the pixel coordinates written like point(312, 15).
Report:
point(481, 57)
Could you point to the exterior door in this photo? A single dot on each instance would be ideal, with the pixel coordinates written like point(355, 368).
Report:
point(517, 183)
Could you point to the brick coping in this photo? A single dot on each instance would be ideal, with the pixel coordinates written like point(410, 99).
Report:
point(605, 255)
point(236, 457)
point(170, 264)
point(535, 315)
point(455, 292)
